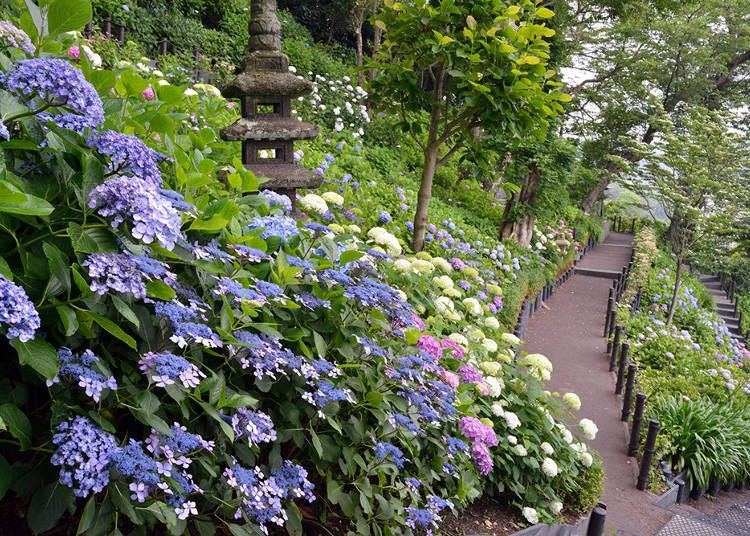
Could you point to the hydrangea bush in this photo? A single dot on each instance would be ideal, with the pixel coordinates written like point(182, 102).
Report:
point(186, 354)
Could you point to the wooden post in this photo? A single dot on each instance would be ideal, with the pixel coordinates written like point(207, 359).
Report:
point(624, 350)
point(615, 348)
point(163, 46)
point(107, 26)
point(121, 34)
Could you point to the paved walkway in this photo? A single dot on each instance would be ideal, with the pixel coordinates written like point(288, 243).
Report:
point(569, 333)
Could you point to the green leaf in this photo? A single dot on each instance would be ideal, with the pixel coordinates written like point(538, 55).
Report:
point(17, 423)
point(113, 329)
point(39, 355)
point(159, 290)
point(87, 517)
point(59, 269)
point(5, 476)
point(316, 442)
point(90, 240)
point(14, 201)
point(244, 530)
point(68, 318)
point(350, 255)
point(66, 15)
point(544, 13)
point(125, 310)
point(5, 269)
point(47, 506)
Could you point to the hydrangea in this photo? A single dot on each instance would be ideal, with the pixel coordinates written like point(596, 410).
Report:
point(4, 134)
point(588, 428)
point(383, 238)
point(585, 458)
point(56, 82)
point(547, 448)
point(277, 200)
point(79, 368)
point(151, 215)
point(384, 449)
point(282, 226)
point(572, 401)
point(165, 368)
point(16, 37)
point(480, 455)
point(256, 426)
point(17, 311)
point(124, 272)
point(512, 420)
point(185, 330)
point(549, 467)
point(333, 198)
point(477, 432)
point(128, 154)
point(384, 217)
point(83, 454)
point(313, 203)
point(530, 515)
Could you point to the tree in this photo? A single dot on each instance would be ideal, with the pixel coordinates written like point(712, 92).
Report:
point(451, 66)
point(698, 169)
point(694, 52)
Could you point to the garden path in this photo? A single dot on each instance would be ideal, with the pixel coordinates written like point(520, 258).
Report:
point(569, 332)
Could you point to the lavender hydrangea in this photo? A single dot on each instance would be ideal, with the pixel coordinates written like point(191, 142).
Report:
point(384, 450)
point(127, 154)
point(124, 272)
point(256, 426)
point(478, 432)
point(16, 37)
point(46, 81)
point(248, 254)
point(186, 331)
point(259, 497)
point(165, 368)
point(4, 134)
point(84, 455)
point(131, 198)
point(277, 200)
point(310, 301)
point(283, 227)
point(78, 367)
point(17, 311)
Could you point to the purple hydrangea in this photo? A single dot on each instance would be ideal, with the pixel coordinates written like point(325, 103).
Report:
point(325, 393)
point(256, 426)
point(4, 134)
point(292, 480)
point(124, 272)
point(264, 354)
point(478, 432)
point(165, 368)
point(185, 330)
point(127, 154)
point(260, 497)
point(277, 200)
point(79, 368)
point(310, 301)
point(384, 450)
point(469, 374)
point(282, 226)
point(17, 311)
point(209, 252)
point(384, 217)
point(248, 254)
point(16, 37)
point(480, 454)
point(84, 455)
point(151, 215)
point(229, 287)
point(47, 81)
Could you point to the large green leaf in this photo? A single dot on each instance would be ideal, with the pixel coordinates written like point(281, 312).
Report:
point(47, 506)
point(14, 201)
point(110, 327)
point(39, 355)
point(67, 15)
point(17, 424)
point(59, 269)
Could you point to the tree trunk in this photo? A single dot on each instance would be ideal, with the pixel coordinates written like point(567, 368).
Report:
point(675, 291)
point(593, 196)
point(423, 197)
point(521, 227)
point(377, 35)
point(360, 18)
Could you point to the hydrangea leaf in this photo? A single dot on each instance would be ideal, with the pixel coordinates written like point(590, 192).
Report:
point(107, 325)
point(17, 424)
point(47, 506)
point(14, 201)
point(39, 355)
point(68, 15)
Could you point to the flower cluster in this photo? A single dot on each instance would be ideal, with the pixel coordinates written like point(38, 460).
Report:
point(43, 82)
point(482, 436)
point(79, 368)
point(124, 272)
point(185, 330)
point(17, 311)
point(16, 37)
point(283, 227)
point(128, 154)
point(165, 368)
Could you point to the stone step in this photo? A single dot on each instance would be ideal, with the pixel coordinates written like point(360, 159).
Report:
point(712, 285)
point(610, 274)
point(680, 526)
point(733, 520)
point(709, 279)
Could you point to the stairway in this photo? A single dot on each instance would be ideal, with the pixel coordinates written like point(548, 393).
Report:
point(724, 307)
point(733, 520)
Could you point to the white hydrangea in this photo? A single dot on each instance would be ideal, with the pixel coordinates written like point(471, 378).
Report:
point(422, 266)
point(384, 238)
point(443, 281)
point(333, 197)
point(452, 292)
point(520, 450)
point(402, 295)
point(572, 401)
point(445, 307)
point(441, 264)
point(541, 367)
point(354, 229)
point(314, 203)
point(579, 447)
point(491, 368)
point(549, 467)
point(473, 306)
point(547, 448)
point(588, 428)
point(586, 459)
point(512, 420)
point(190, 92)
point(556, 506)
point(510, 339)
point(491, 322)
point(402, 266)
point(566, 435)
point(494, 386)
point(497, 409)
point(208, 89)
point(489, 345)
point(95, 59)
point(513, 440)
point(530, 515)
point(459, 339)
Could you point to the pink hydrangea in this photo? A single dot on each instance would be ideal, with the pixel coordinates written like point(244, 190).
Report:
point(430, 344)
point(417, 322)
point(457, 352)
point(148, 93)
point(74, 52)
point(450, 378)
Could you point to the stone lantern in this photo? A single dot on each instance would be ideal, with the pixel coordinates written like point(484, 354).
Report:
point(265, 88)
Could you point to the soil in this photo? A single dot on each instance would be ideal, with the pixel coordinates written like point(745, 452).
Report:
point(486, 516)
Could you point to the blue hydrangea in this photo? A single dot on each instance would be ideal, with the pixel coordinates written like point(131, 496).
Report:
point(176, 200)
point(300, 263)
point(310, 301)
point(265, 355)
point(4, 134)
point(403, 421)
point(185, 331)
point(283, 227)
point(165, 368)
point(277, 200)
point(256, 426)
point(292, 480)
point(209, 252)
point(84, 455)
point(17, 311)
point(46, 81)
point(152, 217)
point(127, 154)
point(79, 368)
point(16, 37)
point(124, 272)
point(229, 287)
point(324, 393)
point(260, 498)
point(248, 254)
point(268, 289)
point(384, 217)
point(318, 228)
point(384, 450)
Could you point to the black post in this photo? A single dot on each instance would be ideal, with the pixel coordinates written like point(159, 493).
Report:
point(615, 348)
point(107, 26)
point(682, 491)
point(121, 34)
point(628, 398)
point(610, 307)
point(163, 47)
point(648, 454)
point(635, 426)
point(596, 521)
point(612, 323)
point(624, 349)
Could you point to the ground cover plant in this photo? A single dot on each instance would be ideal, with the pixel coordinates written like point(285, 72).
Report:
point(182, 353)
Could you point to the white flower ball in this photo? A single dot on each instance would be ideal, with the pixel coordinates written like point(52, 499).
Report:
point(489, 345)
point(513, 440)
point(586, 459)
point(556, 506)
point(497, 409)
point(491, 322)
point(520, 450)
point(530, 515)
point(547, 448)
point(588, 428)
point(572, 401)
point(333, 197)
point(549, 467)
point(512, 420)
point(314, 203)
